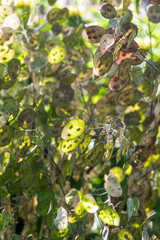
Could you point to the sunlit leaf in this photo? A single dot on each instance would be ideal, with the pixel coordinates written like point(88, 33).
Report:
point(85, 143)
point(3, 50)
point(70, 145)
point(124, 234)
point(74, 218)
point(73, 129)
point(7, 56)
point(80, 209)
point(56, 55)
point(109, 216)
point(56, 234)
point(118, 172)
point(89, 203)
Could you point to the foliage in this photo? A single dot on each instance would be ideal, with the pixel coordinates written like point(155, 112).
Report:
point(79, 122)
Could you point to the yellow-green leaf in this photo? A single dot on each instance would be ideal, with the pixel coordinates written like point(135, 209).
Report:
point(109, 216)
point(89, 203)
point(73, 129)
point(57, 55)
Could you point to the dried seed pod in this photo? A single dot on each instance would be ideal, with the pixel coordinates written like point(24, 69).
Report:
point(124, 16)
point(154, 2)
point(126, 97)
point(5, 10)
point(154, 13)
point(115, 3)
point(129, 27)
point(112, 186)
point(106, 42)
point(26, 118)
point(11, 23)
point(108, 11)
point(93, 34)
point(63, 95)
point(84, 75)
point(57, 15)
point(124, 69)
point(116, 84)
point(132, 118)
point(103, 64)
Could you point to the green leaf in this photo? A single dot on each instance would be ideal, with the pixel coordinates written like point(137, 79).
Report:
point(109, 216)
point(130, 207)
point(16, 237)
point(4, 221)
point(136, 206)
point(3, 191)
point(43, 207)
point(73, 129)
